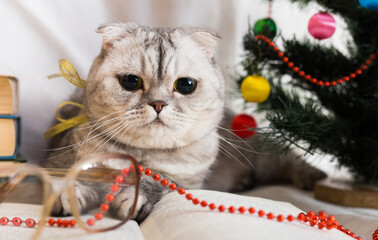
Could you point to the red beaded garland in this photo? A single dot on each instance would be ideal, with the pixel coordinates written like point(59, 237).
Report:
point(320, 220)
point(295, 69)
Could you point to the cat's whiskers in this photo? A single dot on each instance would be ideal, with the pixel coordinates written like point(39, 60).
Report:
point(97, 127)
point(110, 136)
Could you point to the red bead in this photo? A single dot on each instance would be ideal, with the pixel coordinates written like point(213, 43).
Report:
point(301, 217)
point(119, 179)
point(109, 197)
point(132, 168)
point(353, 235)
point(321, 225)
point(346, 78)
point(280, 218)
point(16, 221)
point(322, 214)
point(324, 220)
point(181, 191)
point(373, 56)
point(341, 228)
point(358, 71)
point(241, 209)
point(364, 67)
point(189, 196)
point(231, 209)
point(352, 75)
point(114, 188)
point(339, 81)
point(203, 203)
point(4, 221)
point(296, 69)
point(359, 238)
point(308, 77)
point(221, 208)
point(164, 182)
point(104, 207)
point(251, 210)
point(302, 73)
point(65, 223)
point(333, 83)
point(72, 223)
point(51, 222)
point(156, 177)
point(290, 64)
point(148, 172)
point(313, 222)
point(290, 218)
point(368, 62)
point(280, 54)
point(212, 206)
point(331, 219)
point(327, 84)
point(59, 222)
point(195, 201)
point(347, 231)
point(306, 219)
point(90, 222)
point(270, 215)
point(276, 49)
point(261, 213)
point(140, 169)
point(314, 80)
point(125, 171)
point(285, 59)
point(271, 44)
point(172, 186)
point(320, 83)
point(99, 216)
point(30, 222)
point(329, 226)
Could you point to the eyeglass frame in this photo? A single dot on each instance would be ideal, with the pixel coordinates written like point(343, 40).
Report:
point(50, 195)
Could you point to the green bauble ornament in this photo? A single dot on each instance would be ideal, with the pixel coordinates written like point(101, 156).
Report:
point(265, 26)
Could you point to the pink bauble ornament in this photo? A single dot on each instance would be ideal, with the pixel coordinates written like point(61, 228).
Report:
point(322, 25)
point(243, 124)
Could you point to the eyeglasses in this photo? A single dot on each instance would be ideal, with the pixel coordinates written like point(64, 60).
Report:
point(92, 185)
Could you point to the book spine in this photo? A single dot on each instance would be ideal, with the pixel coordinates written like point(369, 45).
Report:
point(17, 119)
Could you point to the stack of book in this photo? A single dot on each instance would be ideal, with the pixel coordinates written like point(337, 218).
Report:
point(10, 124)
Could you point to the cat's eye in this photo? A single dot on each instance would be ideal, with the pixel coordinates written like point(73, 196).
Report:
point(185, 85)
point(130, 82)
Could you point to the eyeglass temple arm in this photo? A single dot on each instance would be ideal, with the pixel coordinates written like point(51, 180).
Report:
point(7, 187)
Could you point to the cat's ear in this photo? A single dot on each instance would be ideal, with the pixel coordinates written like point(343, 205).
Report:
point(113, 32)
point(207, 40)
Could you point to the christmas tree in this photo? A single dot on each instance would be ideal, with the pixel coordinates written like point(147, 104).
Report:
point(331, 105)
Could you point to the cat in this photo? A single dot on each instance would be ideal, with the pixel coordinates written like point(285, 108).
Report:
point(167, 91)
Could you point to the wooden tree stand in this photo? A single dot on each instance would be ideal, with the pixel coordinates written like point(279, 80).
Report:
point(345, 192)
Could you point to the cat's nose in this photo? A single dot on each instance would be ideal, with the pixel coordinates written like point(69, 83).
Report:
point(158, 105)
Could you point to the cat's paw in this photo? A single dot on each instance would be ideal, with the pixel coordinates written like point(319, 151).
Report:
point(149, 194)
point(86, 198)
point(305, 177)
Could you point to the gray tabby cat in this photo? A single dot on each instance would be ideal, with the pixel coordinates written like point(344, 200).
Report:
point(158, 95)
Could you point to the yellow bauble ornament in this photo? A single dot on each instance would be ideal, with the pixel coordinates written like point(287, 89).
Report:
point(255, 89)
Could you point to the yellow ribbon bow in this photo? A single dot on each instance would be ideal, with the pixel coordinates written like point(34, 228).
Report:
point(68, 72)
